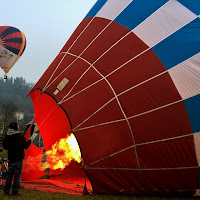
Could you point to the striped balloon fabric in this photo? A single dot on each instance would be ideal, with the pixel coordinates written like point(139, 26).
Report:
point(127, 83)
point(12, 46)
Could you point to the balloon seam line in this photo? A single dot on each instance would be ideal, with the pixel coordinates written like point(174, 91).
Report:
point(133, 57)
point(120, 93)
point(88, 44)
point(77, 57)
point(131, 31)
point(117, 96)
point(21, 49)
point(113, 46)
point(46, 86)
point(104, 76)
point(81, 33)
point(131, 117)
point(131, 131)
point(79, 54)
point(46, 117)
point(141, 144)
point(145, 169)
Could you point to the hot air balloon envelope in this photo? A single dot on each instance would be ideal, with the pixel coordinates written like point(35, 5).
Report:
point(127, 84)
point(12, 46)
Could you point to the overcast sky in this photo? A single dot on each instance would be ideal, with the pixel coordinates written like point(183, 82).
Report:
point(47, 25)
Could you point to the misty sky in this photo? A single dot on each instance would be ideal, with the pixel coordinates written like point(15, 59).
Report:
point(47, 25)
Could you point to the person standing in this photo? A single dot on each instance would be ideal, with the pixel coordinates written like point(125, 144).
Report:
point(15, 143)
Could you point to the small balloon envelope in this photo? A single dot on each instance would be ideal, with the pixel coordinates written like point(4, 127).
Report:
point(12, 46)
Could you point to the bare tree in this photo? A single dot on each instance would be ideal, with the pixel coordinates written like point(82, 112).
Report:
point(7, 115)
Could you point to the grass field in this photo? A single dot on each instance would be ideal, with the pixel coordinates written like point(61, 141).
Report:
point(3, 154)
point(33, 194)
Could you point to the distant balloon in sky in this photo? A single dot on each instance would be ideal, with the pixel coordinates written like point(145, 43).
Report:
point(12, 46)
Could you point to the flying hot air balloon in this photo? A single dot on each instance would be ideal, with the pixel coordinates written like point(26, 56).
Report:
point(12, 46)
point(127, 84)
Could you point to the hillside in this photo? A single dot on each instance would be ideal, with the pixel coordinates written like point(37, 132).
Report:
point(16, 90)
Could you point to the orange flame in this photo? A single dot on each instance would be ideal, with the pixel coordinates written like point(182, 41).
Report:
point(62, 153)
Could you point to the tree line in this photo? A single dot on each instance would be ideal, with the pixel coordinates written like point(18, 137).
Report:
point(13, 98)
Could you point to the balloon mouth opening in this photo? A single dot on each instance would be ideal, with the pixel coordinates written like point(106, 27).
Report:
point(60, 147)
point(60, 156)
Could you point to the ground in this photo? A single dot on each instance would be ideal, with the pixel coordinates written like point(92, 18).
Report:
point(34, 195)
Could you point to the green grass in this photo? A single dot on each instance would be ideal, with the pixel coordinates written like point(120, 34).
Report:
point(3, 154)
point(34, 194)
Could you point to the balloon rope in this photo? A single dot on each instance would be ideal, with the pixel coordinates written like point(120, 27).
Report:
point(46, 86)
point(131, 31)
point(141, 144)
point(46, 117)
point(112, 47)
point(116, 68)
point(119, 120)
point(145, 169)
point(107, 82)
point(76, 57)
point(133, 87)
point(91, 65)
point(131, 131)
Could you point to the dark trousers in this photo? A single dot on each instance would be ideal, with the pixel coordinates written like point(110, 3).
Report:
point(14, 170)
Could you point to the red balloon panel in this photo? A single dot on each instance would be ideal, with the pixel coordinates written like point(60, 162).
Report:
point(125, 50)
point(108, 113)
point(168, 154)
point(96, 143)
point(87, 102)
point(155, 180)
point(135, 72)
point(115, 160)
point(154, 94)
point(51, 127)
point(168, 122)
point(110, 181)
point(111, 34)
point(88, 35)
point(77, 33)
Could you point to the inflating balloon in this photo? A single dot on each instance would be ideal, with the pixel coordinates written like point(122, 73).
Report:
point(127, 84)
point(12, 46)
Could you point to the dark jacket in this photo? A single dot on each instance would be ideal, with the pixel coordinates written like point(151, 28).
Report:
point(15, 143)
